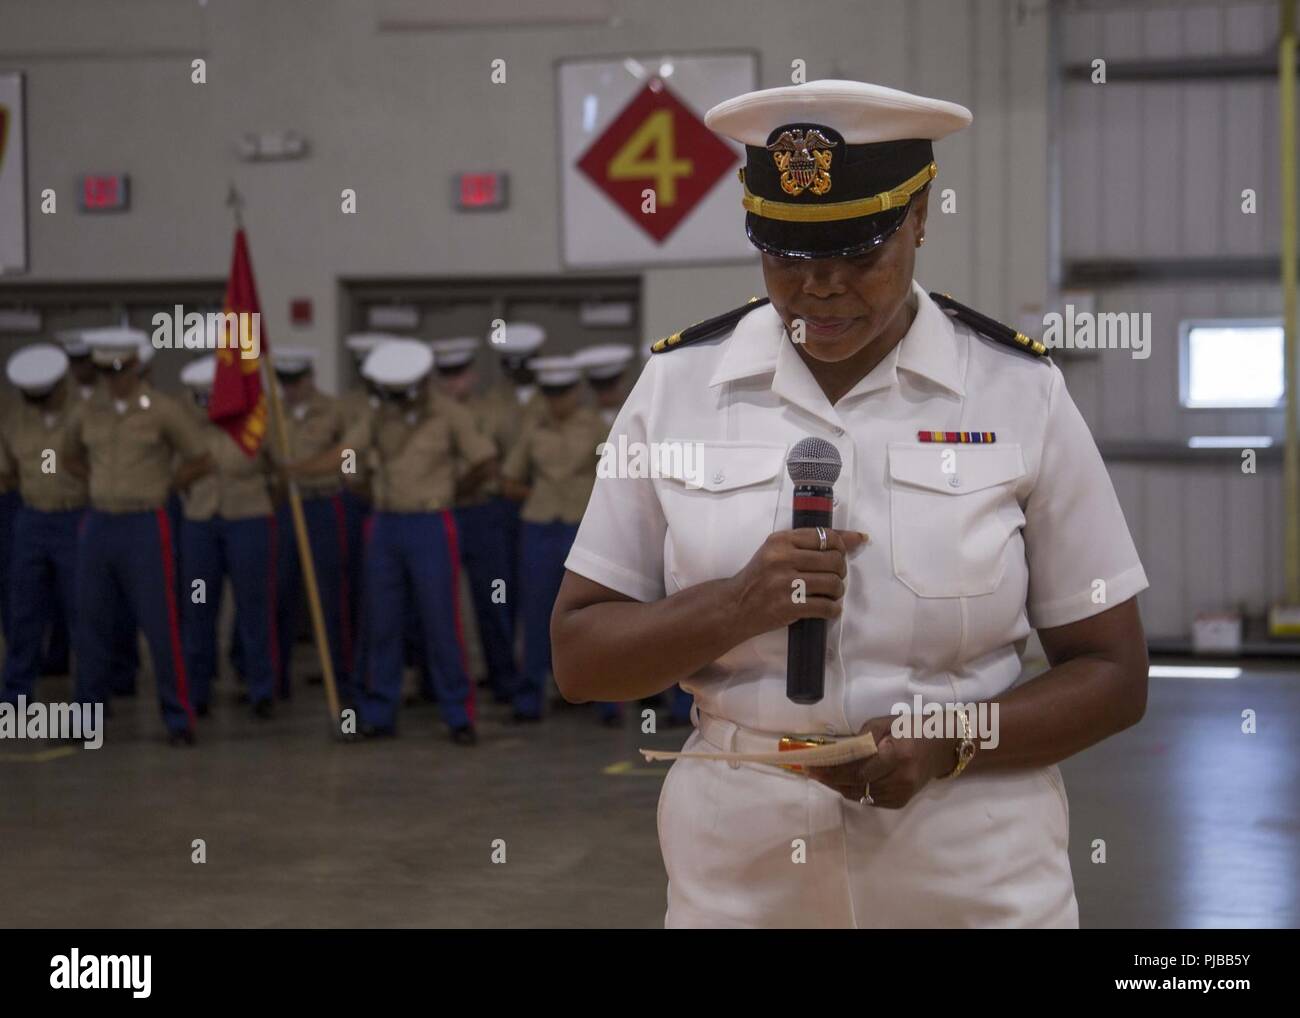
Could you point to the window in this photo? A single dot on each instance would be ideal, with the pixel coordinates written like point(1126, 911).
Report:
point(1231, 363)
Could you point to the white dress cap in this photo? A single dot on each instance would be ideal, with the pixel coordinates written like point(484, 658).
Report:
point(293, 360)
point(862, 113)
point(555, 371)
point(199, 373)
point(397, 363)
point(117, 344)
point(518, 339)
point(74, 342)
point(605, 360)
point(455, 352)
point(36, 369)
point(361, 343)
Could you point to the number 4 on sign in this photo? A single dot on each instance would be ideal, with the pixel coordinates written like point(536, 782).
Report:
point(656, 135)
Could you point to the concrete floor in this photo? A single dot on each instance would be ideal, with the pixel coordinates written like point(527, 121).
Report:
point(1201, 822)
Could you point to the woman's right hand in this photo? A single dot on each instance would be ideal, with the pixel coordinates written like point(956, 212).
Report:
point(768, 595)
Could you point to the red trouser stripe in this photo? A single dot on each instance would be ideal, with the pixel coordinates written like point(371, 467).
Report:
point(453, 550)
point(173, 618)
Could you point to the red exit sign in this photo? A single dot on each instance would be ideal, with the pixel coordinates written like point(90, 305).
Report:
point(480, 190)
point(104, 192)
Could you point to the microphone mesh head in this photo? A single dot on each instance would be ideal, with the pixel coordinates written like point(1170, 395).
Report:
point(813, 461)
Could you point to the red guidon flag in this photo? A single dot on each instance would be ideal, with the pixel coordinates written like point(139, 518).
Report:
point(238, 404)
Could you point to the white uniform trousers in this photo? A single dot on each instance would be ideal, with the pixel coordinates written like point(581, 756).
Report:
point(980, 850)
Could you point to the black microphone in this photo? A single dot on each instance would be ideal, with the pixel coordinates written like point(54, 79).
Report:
point(814, 466)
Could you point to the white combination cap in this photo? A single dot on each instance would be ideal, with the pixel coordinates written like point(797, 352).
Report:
point(293, 360)
point(199, 374)
point(831, 167)
point(518, 339)
point(397, 363)
point(117, 345)
point(555, 371)
point(455, 352)
point(605, 360)
point(862, 113)
point(361, 343)
point(74, 342)
point(36, 369)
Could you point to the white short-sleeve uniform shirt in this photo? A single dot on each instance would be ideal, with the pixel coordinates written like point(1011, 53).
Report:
point(970, 546)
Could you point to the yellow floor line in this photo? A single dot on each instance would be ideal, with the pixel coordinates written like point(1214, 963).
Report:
point(625, 769)
point(43, 756)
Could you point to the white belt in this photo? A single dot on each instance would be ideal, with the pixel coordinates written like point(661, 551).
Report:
point(729, 737)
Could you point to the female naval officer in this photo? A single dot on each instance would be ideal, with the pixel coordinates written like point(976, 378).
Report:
point(972, 507)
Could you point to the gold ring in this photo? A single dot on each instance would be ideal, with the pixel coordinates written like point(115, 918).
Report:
point(821, 538)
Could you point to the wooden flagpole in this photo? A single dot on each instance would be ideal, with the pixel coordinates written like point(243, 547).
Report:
point(306, 562)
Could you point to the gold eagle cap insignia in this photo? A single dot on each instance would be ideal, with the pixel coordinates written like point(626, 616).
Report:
point(803, 159)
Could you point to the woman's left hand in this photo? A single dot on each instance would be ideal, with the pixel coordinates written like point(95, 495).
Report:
point(898, 771)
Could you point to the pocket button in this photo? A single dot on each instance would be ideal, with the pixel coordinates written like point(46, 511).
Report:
point(953, 482)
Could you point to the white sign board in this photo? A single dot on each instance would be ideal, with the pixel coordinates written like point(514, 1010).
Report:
point(643, 181)
point(13, 185)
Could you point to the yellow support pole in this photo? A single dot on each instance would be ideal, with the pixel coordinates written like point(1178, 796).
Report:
point(1291, 459)
point(307, 564)
point(305, 561)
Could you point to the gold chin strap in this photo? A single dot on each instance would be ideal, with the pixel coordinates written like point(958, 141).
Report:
point(833, 211)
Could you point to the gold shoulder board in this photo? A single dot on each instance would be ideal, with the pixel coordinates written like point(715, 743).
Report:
point(707, 329)
point(987, 326)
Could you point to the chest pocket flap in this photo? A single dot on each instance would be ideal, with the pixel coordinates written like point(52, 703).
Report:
point(720, 466)
point(954, 516)
point(955, 469)
point(719, 501)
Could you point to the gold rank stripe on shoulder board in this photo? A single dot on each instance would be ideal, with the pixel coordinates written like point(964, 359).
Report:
point(987, 326)
point(708, 328)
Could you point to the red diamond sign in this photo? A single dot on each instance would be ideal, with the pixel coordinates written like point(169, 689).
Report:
point(656, 143)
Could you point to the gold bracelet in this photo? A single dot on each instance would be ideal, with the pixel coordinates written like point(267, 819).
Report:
point(966, 748)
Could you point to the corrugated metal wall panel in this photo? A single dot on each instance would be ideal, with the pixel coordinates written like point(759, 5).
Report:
point(1155, 169)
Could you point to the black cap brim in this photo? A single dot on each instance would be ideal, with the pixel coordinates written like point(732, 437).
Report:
point(845, 238)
